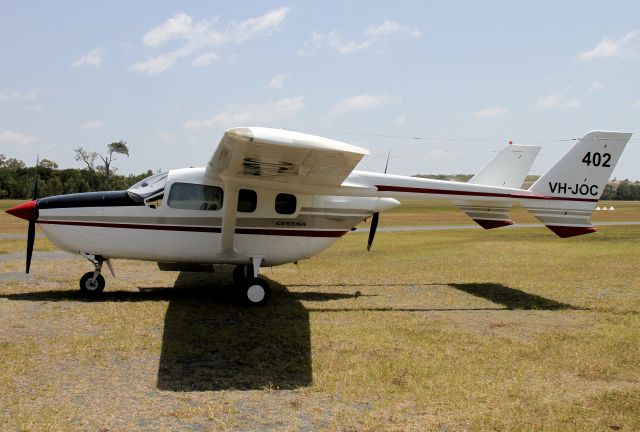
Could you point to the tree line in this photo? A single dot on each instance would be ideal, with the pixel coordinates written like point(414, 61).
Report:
point(17, 180)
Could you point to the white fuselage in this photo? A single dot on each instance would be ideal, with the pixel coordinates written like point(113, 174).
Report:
point(162, 231)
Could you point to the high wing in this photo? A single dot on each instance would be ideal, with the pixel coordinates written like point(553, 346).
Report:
point(275, 155)
point(282, 156)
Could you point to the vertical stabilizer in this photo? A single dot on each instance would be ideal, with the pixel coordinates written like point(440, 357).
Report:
point(508, 168)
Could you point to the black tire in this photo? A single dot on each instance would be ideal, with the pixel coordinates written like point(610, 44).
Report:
point(86, 286)
point(256, 292)
point(241, 273)
point(238, 275)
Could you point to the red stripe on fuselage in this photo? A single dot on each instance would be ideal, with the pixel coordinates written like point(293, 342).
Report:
point(384, 188)
point(254, 231)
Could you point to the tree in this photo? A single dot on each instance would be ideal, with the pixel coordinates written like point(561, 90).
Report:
point(11, 163)
point(48, 164)
point(88, 158)
point(119, 147)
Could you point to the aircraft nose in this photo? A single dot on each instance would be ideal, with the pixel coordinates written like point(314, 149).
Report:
point(27, 211)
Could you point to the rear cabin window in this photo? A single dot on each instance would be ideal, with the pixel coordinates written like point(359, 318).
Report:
point(285, 203)
point(247, 200)
point(195, 197)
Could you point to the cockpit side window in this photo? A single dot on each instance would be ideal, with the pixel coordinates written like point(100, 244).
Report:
point(191, 196)
point(247, 200)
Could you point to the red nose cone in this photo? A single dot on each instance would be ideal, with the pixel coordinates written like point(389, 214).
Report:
point(27, 211)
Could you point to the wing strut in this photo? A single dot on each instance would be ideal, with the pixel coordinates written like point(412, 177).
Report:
point(229, 212)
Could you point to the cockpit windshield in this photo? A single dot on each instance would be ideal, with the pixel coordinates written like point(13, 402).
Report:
point(148, 187)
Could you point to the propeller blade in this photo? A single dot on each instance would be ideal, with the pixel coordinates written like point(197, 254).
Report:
point(372, 230)
point(31, 236)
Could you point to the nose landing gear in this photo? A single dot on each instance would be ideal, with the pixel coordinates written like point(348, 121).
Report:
point(93, 282)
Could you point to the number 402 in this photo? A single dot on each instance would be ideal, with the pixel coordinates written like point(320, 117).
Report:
point(597, 159)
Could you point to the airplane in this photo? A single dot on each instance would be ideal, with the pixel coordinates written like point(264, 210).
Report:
point(270, 196)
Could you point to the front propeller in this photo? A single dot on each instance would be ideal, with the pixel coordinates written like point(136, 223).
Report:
point(29, 212)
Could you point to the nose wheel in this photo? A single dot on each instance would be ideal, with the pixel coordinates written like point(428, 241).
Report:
point(89, 283)
point(92, 283)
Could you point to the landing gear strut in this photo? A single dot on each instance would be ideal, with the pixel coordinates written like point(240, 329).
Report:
point(255, 291)
point(93, 282)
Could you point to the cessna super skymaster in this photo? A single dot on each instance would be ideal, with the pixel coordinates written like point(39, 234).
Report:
point(269, 197)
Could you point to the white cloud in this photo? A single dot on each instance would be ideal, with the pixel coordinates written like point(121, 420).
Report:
point(16, 96)
point(277, 82)
point(243, 114)
point(9, 137)
point(178, 27)
point(95, 58)
point(490, 112)
point(205, 59)
point(373, 35)
point(636, 104)
point(595, 86)
point(201, 36)
point(389, 28)
point(362, 102)
point(93, 124)
point(557, 100)
point(626, 46)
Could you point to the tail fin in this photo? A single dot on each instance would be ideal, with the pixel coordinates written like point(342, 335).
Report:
point(508, 168)
point(572, 187)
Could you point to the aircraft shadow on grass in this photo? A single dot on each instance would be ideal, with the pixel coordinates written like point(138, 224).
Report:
point(511, 298)
point(211, 342)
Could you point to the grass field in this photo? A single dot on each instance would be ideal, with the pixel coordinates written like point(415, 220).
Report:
point(510, 329)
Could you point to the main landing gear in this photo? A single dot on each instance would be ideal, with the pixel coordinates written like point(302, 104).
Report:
point(92, 283)
point(255, 290)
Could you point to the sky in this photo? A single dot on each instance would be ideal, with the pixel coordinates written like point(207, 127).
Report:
point(440, 85)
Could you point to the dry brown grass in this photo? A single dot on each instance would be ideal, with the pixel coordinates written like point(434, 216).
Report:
point(449, 330)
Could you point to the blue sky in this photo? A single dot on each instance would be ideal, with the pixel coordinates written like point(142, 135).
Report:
point(441, 86)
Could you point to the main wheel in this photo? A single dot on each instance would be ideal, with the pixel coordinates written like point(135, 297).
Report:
point(239, 275)
point(88, 285)
point(257, 292)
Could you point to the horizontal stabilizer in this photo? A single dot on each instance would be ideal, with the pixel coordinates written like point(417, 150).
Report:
point(487, 215)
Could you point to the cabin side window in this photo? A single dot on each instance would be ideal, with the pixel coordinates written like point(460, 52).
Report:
point(285, 203)
point(154, 201)
point(191, 196)
point(247, 200)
